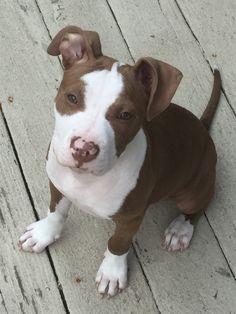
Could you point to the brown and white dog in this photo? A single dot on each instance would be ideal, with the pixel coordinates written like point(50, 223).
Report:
point(120, 145)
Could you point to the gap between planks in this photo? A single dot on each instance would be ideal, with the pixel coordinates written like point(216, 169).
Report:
point(46, 26)
point(218, 242)
point(202, 51)
point(228, 102)
point(122, 35)
point(34, 210)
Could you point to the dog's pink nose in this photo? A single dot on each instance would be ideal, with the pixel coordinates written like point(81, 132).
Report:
point(83, 151)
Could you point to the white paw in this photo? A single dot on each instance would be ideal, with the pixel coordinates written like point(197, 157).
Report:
point(41, 233)
point(112, 275)
point(178, 234)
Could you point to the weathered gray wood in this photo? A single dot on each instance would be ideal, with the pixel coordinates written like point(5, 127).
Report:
point(79, 253)
point(215, 31)
point(27, 283)
point(29, 75)
point(88, 14)
point(162, 33)
point(33, 127)
point(195, 281)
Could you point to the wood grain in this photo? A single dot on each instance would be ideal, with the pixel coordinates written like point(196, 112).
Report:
point(216, 34)
point(27, 283)
point(197, 281)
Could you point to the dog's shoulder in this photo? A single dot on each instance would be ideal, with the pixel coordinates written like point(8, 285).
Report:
point(175, 120)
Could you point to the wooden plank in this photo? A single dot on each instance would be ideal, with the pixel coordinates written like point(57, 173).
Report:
point(79, 253)
point(213, 23)
point(90, 15)
point(29, 75)
point(195, 281)
point(162, 33)
point(27, 283)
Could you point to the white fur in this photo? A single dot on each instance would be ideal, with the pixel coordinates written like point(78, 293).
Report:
point(112, 274)
point(178, 235)
point(41, 233)
point(100, 195)
point(102, 88)
point(101, 185)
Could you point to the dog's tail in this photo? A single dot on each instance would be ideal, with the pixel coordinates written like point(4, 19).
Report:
point(209, 112)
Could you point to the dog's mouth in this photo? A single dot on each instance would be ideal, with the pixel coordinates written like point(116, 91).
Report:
point(81, 170)
point(80, 167)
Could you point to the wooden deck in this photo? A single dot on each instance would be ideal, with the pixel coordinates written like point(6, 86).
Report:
point(193, 36)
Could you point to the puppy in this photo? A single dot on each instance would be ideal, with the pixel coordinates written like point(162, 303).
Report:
point(119, 145)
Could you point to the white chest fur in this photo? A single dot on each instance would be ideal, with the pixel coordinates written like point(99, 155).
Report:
point(100, 195)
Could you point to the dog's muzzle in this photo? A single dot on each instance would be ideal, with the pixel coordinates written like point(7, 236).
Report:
point(83, 151)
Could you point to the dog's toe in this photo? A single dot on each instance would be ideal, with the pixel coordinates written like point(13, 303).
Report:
point(25, 236)
point(103, 285)
point(108, 287)
point(113, 288)
point(178, 234)
point(28, 244)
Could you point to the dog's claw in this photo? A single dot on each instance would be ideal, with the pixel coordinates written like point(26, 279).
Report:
point(102, 295)
point(20, 245)
point(163, 244)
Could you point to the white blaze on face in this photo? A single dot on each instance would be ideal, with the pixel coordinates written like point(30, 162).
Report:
point(102, 88)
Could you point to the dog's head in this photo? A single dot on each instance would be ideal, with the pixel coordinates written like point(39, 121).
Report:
point(102, 104)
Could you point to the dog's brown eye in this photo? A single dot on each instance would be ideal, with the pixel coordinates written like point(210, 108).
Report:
point(125, 115)
point(72, 98)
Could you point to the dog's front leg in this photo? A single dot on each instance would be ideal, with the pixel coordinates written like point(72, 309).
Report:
point(41, 233)
point(112, 275)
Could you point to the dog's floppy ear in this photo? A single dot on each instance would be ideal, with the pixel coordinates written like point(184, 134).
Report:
point(160, 81)
point(75, 45)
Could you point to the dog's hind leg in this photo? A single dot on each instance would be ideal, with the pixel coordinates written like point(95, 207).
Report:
point(192, 202)
point(41, 233)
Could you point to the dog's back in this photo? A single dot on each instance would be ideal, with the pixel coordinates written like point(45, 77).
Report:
point(184, 155)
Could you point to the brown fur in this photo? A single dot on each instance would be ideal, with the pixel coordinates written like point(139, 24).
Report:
point(131, 100)
point(180, 164)
point(56, 196)
point(63, 105)
point(71, 84)
point(180, 159)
